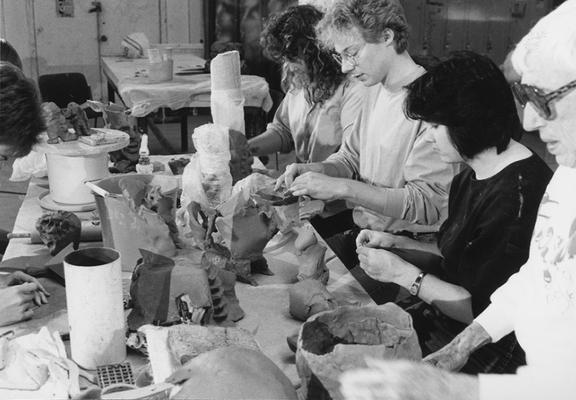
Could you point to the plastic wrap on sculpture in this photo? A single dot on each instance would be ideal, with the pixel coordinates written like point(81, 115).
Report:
point(206, 179)
point(226, 99)
point(332, 342)
point(234, 373)
point(138, 214)
point(168, 290)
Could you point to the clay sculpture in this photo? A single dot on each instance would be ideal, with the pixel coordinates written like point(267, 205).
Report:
point(232, 373)
point(226, 305)
point(246, 225)
point(58, 229)
point(76, 118)
point(332, 342)
point(56, 125)
point(309, 297)
point(167, 290)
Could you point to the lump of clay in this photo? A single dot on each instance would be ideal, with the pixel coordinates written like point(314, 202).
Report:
point(58, 229)
point(77, 119)
point(56, 126)
point(168, 290)
point(308, 298)
point(233, 373)
point(241, 158)
point(335, 341)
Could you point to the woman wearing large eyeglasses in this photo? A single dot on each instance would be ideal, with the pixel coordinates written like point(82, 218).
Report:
point(493, 205)
point(321, 104)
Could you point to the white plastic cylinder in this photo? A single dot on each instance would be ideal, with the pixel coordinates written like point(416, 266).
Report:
point(66, 176)
point(95, 308)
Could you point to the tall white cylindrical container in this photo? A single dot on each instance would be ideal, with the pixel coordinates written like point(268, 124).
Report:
point(95, 308)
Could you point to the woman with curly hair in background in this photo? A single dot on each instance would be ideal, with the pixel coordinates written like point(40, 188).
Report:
point(321, 104)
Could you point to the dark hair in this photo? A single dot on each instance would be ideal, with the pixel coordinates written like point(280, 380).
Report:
point(470, 96)
point(291, 36)
point(20, 113)
point(9, 53)
point(370, 17)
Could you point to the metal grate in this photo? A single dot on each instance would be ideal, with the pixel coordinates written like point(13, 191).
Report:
point(115, 373)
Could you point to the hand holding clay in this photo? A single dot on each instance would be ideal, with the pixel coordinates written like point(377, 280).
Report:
point(375, 239)
point(394, 380)
point(381, 264)
point(318, 186)
point(17, 303)
point(294, 170)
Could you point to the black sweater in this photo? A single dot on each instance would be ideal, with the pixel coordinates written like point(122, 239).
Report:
point(486, 237)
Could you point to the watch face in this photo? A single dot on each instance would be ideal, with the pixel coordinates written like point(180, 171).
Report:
point(413, 289)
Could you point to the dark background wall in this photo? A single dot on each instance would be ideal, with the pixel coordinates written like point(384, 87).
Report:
point(490, 27)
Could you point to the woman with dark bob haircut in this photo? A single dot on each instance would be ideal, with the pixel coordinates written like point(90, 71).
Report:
point(321, 104)
point(492, 209)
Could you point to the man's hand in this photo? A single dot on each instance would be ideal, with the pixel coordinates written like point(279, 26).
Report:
point(455, 354)
point(18, 302)
point(405, 380)
point(375, 239)
point(293, 171)
point(318, 186)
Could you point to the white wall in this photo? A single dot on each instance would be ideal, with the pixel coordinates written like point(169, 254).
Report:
point(48, 43)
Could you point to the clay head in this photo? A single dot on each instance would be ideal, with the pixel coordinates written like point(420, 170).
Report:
point(58, 229)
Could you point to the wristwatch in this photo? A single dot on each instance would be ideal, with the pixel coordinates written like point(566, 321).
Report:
point(415, 288)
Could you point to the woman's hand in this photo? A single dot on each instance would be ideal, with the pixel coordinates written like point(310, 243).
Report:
point(293, 171)
point(18, 302)
point(19, 277)
point(375, 239)
point(385, 266)
point(318, 186)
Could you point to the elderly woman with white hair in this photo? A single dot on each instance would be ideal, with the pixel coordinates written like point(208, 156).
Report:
point(539, 302)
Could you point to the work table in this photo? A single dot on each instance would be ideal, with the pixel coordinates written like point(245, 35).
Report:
point(266, 305)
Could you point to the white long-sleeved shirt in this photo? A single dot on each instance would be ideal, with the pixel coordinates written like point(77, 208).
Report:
point(539, 304)
point(316, 131)
point(387, 149)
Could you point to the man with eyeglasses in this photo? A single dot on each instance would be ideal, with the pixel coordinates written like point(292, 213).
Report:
point(385, 168)
point(539, 302)
point(20, 124)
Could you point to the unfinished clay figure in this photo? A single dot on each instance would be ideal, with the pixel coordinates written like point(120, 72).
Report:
point(76, 117)
point(58, 229)
point(168, 290)
point(226, 305)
